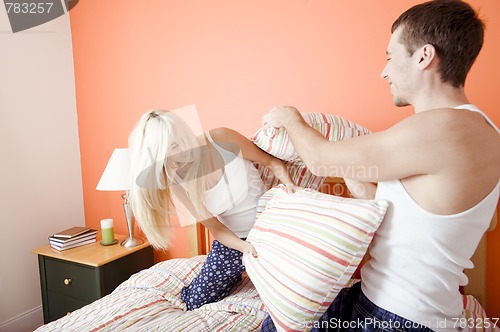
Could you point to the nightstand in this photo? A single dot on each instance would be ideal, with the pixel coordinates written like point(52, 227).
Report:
point(75, 277)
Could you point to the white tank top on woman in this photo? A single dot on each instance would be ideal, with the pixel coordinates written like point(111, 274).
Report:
point(233, 200)
point(418, 257)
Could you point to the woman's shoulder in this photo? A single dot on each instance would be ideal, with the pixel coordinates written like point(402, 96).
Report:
point(226, 138)
point(221, 133)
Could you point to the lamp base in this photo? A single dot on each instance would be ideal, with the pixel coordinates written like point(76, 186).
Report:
point(131, 242)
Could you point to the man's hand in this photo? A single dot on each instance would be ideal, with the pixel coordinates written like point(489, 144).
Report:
point(279, 116)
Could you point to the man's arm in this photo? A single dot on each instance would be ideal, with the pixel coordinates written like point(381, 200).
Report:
point(411, 147)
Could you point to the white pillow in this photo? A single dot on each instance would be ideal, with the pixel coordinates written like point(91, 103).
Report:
point(309, 244)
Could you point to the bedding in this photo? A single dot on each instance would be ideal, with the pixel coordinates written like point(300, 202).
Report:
point(150, 301)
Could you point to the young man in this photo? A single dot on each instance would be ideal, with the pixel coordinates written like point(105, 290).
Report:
point(438, 169)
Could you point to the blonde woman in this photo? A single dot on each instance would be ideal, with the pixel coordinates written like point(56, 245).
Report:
point(214, 178)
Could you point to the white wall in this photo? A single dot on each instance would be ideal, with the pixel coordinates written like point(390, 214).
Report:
point(40, 174)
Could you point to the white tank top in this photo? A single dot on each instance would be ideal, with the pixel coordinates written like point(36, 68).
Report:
point(418, 257)
point(233, 200)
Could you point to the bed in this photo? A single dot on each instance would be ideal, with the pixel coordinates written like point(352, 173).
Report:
point(150, 300)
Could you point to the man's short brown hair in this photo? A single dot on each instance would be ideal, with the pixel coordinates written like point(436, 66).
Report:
point(452, 27)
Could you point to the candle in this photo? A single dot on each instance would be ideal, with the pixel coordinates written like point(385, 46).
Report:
point(108, 234)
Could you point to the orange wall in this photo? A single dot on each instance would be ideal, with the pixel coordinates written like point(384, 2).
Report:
point(237, 59)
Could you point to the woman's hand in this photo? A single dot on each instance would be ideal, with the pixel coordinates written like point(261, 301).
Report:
point(247, 248)
point(278, 167)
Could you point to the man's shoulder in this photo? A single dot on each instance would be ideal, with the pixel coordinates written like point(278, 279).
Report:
point(449, 128)
point(446, 120)
point(447, 114)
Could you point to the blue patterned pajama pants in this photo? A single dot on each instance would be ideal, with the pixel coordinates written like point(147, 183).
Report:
point(352, 311)
point(220, 272)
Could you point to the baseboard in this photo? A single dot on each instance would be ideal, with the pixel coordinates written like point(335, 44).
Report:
point(27, 321)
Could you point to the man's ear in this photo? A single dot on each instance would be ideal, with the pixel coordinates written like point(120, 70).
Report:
point(425, 56)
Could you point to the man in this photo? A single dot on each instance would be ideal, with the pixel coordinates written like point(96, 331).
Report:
point(437, 168)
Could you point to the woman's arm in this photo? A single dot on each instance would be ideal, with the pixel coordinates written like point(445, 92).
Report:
point(225, 236)
point(233, 141)
point(363, 190)
point(220, 232)
point(180, 197)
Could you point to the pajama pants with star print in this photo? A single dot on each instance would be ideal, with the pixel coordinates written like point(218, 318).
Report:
point(220, 272)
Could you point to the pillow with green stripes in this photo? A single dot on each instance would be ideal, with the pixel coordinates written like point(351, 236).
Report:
point(335, 128)
point(309, 244)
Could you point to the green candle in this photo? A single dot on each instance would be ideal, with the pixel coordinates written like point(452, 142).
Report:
point(108, 233)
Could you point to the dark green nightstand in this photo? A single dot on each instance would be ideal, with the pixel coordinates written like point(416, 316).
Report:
point(75, 277)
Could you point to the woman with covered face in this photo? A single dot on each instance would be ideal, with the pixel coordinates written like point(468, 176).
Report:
point(212, 176)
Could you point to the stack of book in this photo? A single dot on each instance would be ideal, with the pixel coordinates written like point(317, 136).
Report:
point(72, 238)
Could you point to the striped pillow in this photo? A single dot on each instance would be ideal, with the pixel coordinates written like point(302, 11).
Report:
point(309, 245)
point(475, 316)
point(299, 173)
point(276, 141)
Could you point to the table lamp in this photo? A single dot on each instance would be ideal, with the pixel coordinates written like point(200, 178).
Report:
point(115, 178)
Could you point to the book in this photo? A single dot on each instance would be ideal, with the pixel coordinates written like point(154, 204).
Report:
point(73, 244)
point(63, 243)
point(91, 233)
point(59, 247)
point(72, 232)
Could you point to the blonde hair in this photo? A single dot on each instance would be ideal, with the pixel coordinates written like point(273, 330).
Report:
point(160, 144)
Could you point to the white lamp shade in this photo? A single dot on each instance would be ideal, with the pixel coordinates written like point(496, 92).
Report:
point(115, 176)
